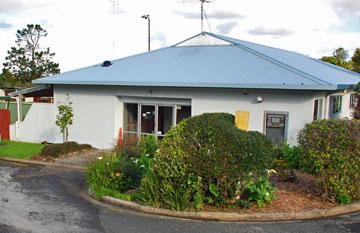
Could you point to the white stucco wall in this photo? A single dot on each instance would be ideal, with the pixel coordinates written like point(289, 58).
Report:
point(98, 111)
point(38, 125)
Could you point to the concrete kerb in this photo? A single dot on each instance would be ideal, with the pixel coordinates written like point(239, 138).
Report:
point(235, 217)
point(34, 162)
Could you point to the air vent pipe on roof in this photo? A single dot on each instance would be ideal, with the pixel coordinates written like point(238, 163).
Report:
point(106, 63)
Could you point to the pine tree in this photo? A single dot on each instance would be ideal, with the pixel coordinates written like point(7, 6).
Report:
point(28, 60)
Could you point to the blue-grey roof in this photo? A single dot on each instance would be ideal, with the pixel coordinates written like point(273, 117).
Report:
point(210, 60)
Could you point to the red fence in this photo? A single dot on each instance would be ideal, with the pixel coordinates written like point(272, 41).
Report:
point(5, 124)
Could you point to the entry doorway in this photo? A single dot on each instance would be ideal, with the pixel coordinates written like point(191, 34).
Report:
point(151, 119)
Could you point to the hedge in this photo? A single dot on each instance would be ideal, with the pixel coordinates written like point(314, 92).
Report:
point(331, 150)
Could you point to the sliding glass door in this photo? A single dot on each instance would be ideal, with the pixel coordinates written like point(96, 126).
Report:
point(151, 119)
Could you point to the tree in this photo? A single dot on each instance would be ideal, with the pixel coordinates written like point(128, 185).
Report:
point(65, 117)
point(355, 60)
point(356, 111)
point(341, 54)
point(336, 61)
point(28, 60)
point(339, 58)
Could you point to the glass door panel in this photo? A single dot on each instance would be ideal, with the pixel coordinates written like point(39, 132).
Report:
point(148, 119)
point(182, 112)
point(165, 119)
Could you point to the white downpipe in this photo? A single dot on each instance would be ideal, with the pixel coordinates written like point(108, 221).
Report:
point(17, 123)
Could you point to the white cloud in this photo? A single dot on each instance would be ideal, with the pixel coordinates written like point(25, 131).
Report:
point(270, 31)
point(227, 27)
point(346, 7)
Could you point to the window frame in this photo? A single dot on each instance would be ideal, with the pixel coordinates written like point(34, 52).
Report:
point(139, 132)
point(320, 109)
point(336, 104)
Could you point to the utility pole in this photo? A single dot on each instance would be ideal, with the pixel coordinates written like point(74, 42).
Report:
point(148, 18)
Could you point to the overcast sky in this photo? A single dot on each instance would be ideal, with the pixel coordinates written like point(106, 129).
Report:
point(86, 32)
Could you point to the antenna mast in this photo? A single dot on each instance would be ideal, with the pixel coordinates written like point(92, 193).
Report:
point(203, 12)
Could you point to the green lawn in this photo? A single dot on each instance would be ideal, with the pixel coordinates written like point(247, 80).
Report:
point(19, 150)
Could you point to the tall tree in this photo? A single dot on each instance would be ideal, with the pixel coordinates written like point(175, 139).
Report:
point(28, 60)
point(355, 61)
point(341, 54)
point(339, 58)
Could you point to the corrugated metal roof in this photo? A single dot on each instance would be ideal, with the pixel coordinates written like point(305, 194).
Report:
point(204, 61)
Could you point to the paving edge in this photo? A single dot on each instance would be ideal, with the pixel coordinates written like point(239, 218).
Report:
point(34, 162)
point(232, 216)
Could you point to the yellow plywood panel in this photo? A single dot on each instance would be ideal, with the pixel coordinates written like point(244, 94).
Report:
point(242, 120)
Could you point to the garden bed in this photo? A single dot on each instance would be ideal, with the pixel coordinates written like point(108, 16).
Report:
point(301, 195)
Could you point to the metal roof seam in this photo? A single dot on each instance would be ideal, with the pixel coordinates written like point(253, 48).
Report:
point(275, 61)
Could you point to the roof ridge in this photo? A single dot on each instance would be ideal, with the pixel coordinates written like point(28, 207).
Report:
point(201, 33)
point(271, 59)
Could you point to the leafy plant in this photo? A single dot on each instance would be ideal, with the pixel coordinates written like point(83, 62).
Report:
point(331, 150)
point(175, 197)
point(356, 110)
point(149, 191)
point(105, 173)
point(148, 145)
point(261, 191)
point(65, 117)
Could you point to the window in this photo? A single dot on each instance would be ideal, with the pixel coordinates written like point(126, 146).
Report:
point(156, 119)
point(336, 103)
point(318, 109)
point(353, 100)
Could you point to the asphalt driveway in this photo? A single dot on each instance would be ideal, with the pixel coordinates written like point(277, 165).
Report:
point(43, 199)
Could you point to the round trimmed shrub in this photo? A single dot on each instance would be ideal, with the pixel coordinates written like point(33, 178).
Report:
point(331, 150)
point(207, 154)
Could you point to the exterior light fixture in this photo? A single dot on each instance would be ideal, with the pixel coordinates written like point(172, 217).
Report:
point(259, 99)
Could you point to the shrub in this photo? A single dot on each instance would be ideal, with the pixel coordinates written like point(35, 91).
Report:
point(291, 155)
point(210, 147)
point(288, 159)
point(105, 174)
point(331, 150)
point(56, 150)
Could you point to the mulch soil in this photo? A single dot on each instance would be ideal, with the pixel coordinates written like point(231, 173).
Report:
point(301, 195)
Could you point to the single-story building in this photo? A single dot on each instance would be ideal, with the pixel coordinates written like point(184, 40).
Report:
point(270, 90)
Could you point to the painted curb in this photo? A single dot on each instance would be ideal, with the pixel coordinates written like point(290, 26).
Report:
point(34, 162)
point(235, 217)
